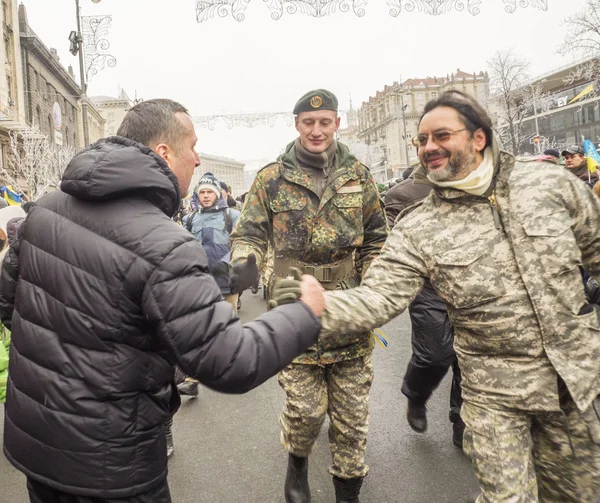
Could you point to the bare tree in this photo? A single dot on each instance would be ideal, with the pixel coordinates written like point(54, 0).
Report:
point(583, 31)
point(583, 39)
point(508, 82)
point(34, 165)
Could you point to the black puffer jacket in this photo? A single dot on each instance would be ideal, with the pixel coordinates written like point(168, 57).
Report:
point(111, 293)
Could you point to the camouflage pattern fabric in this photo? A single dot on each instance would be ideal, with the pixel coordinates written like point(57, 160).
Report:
point(283, 210)
point(508, 269)
point(507, 266)
point(565, 455)
point(340, 390)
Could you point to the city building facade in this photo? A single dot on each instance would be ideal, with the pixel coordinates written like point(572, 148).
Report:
point(12, 91)
point(113, 110)
point(226, 170)
point(96, 123)
point(349, 136)
point(564, 111)
point(388, 121)
point(52, 95)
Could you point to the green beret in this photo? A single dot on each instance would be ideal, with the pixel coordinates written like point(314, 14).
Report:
point(319, 99)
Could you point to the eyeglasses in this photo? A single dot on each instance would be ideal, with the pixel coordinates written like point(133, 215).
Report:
point(438, 137)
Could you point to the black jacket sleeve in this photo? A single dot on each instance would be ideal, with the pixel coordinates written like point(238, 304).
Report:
point(9, 276)
point(184, 305)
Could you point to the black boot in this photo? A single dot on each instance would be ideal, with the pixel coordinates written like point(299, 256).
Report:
point(417, 416)
point(458, 431)
point(347, 490)
point(296, 480)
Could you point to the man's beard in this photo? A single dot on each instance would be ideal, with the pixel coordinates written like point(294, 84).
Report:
point(461, 161)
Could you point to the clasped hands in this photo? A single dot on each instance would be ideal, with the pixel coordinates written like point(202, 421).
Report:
point(286, 291)
point(298, 286)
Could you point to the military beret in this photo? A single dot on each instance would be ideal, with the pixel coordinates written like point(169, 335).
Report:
point(319, 99)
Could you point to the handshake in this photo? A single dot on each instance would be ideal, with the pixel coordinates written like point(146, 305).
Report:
point(286, 291)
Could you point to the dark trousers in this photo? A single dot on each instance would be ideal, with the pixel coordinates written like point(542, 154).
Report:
point(422, 378)
point(41, 493)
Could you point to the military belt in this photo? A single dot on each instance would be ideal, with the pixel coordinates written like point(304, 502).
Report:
point(327, 274)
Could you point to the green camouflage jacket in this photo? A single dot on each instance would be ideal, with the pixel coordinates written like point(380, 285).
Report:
point(507, 265)
point(283, 208)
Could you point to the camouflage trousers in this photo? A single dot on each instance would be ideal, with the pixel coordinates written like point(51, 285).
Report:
point(526, 456)
point(340, 390)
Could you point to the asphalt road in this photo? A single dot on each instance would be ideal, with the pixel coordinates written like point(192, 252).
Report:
point(227, 447)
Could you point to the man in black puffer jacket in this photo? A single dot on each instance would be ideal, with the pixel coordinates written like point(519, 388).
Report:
point(432, 333)
point(106, 294)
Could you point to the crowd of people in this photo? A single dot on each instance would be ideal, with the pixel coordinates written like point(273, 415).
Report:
point(495, 257)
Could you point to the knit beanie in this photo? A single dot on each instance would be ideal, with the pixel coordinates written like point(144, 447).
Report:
point(209, 182)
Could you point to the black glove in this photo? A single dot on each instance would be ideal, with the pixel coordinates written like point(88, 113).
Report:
point(592, 291)
point(220, 269)
point(286, 291)
point(243, 276)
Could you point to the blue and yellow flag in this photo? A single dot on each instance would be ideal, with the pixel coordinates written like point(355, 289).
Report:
point(10, 196)
point(593, 158)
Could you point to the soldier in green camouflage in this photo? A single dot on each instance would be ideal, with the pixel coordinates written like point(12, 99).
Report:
point(319, 210)
point(502, 242)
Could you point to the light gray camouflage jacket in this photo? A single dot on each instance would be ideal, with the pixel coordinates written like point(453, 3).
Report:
point(508, 268)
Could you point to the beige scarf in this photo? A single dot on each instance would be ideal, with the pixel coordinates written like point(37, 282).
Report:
point(478, 181)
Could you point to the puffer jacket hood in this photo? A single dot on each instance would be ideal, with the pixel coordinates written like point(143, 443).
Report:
point(116, 166)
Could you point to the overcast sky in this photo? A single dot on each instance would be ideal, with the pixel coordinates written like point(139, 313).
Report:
point(261, 65)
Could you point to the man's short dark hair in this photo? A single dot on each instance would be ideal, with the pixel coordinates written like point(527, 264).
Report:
point(154, 121)
point(471, 112)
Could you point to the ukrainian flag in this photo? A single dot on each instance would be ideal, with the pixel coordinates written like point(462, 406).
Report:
point(10, 196)
point(593, 158)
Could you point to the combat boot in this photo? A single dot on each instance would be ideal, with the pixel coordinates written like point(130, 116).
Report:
point(458, 432)
point(417, 416)
point(347, 490)
point(296, 481)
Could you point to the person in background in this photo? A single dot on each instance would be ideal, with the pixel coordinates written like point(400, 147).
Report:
point(432, 333)
point(228, 196)
point(576, 163)
point(10, 218)
point(211, 224)
point(554, 153)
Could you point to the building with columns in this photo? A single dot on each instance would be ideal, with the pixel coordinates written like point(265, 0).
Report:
point(349, 136)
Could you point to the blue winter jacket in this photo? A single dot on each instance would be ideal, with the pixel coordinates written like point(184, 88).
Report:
point(210, 230)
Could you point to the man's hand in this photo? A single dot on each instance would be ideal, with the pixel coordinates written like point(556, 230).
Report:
point(312, 294)
point(244, 275)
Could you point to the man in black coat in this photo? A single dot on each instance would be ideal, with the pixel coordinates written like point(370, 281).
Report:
point(104, 294)
point(432, 333)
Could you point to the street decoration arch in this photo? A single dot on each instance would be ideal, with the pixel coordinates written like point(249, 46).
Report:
point(96, 30)
point(207, 9)
point(249, 120)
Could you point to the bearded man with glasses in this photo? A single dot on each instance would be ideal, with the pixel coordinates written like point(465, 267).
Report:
point(502, 241)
